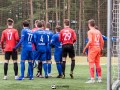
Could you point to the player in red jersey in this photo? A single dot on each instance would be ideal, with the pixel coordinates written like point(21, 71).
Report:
point(11, 37)
point(68, 38)
point(95, 45)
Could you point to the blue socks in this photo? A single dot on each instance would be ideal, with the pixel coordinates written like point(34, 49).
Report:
point(45, 69)
point(59, 68)
point(96, 73)
point(30, 69)
point(49, 68)
point(22, 68)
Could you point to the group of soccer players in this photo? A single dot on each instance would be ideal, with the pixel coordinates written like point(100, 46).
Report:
point(36, 45)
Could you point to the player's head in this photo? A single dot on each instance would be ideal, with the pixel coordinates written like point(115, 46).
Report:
point(10, 22)
point(48, 25)
point(36, 21)
point(39, 24)
point(91, 23)
point(58, 28)
point(66, 22)
point(26, 23)
point(43, 24)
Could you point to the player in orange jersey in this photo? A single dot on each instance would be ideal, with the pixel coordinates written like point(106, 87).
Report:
point(10, 36)
point(95, 45)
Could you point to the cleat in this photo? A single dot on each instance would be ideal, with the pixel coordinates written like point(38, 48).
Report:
point(59, 76)
point(16, 77)
point(90, 81)
point(5, 78)
point(71, 75)
point(20, 78)
point(40, 76)
point(99, 80)
point(46, 76)
point(49, 75)
point(31, 78)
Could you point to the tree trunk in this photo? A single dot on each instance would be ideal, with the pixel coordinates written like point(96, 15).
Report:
point(69, 3)
point(31, 13)
point(56, 12)
point(98, 14)
point(46, 11)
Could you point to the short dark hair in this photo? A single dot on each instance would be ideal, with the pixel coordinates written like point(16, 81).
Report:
point(48, 25)
point(67, 22)
point(10, 21)
point(39, 24)
point(26, 23)
point(91, 22)
point(58, 28)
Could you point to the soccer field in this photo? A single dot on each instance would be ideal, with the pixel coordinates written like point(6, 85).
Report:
point(78, 83)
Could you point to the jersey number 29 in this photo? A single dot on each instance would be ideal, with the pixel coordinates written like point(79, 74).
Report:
point(67, 36)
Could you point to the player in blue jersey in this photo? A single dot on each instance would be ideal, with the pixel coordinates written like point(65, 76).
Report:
point(58, 51)
point(26, 53)
point(48, 55)
point(41, 41)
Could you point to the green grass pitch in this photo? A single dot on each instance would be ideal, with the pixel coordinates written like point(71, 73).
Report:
point(81, 75)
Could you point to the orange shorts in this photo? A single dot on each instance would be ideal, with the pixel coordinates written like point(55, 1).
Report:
point(94, 54)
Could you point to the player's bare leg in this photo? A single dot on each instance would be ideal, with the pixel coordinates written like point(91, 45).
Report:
point(72, 67)
point(5, 69)
point(63, 66)
point(39, 72)
point(15, 68)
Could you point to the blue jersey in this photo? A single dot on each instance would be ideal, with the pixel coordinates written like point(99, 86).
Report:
point(26, 39)
point(49, 35)
point(40, 40)
point(55, 41)
point(58, 47)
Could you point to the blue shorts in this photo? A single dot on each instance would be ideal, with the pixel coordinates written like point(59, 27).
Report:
point(35, 55)
point(58, 55)
point(26, 55)
point(48, 53)
point(40, 56)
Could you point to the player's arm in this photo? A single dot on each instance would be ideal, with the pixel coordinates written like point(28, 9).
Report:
point(101, 42)
point(89, 42)
point(52, 43)
point(104, 37)
point(60, 37)
point(2, 41)
point(16, 36)
point(21, 40)
point(74, 37)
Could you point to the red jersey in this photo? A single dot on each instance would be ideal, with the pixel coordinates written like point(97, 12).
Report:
point(34, 29)
point(10, 35)
point(67, 36)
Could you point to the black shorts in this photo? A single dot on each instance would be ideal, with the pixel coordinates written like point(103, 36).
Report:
point(68, 49)
point(12, 54)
